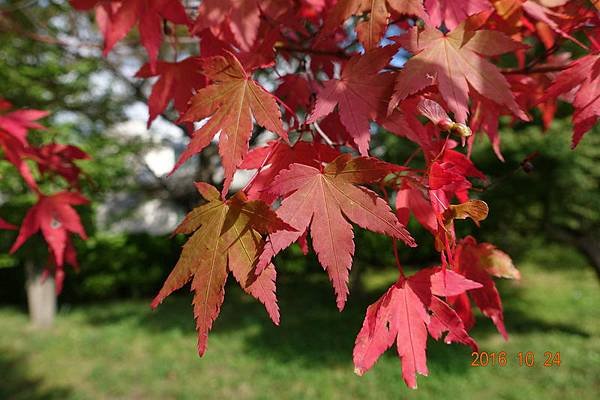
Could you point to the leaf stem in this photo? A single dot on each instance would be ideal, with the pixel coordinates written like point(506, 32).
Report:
point(412, 155)
point(265, 161)
point(323, 134)
point(394, 241)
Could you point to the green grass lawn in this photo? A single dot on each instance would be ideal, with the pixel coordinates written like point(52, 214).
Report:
point(123, 350)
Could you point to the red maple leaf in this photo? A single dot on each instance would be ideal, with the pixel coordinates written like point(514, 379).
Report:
point(237, 20)
point(55, 216)
point(177, 81)
point(413, 198)
point(277, 156)
point(372, 28)
point(452, 12)
point(360, 94)
point(17, 123)
point(117, 18)
point(240, 19)
point(479, 262)
point(530, 91)
point(7, 225)
point(16, 153)
point(583, 77)
point(227, 237)
point(334, 132)
point(449, 172)
point(324, 200)
point(485, 118)
point(60, 159)
point(14, 127)
point(546, 18)
point(403, 122)
point(295, 91)
point(230, 101)
point(404, 314)
point(454, 62)
point(70, 257)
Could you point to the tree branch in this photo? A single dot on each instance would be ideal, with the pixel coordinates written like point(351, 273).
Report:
point(295, 49)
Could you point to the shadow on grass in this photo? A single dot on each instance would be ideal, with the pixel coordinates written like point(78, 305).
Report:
point(312, 331)
point(16, 383)
point(519, 321)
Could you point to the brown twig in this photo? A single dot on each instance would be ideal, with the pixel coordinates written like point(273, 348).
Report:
point(295, 49)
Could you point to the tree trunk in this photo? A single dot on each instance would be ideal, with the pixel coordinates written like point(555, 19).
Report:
point(588, 244)
point(41, 296)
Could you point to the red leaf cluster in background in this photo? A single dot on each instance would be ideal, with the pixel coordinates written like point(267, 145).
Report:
point(53, 214)
point(337, 71)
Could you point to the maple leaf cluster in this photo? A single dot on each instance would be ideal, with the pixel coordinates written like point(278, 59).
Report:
point(425, 70)
point(53, 214)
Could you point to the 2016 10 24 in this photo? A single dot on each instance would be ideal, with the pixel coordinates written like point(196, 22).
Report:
point(522, 359)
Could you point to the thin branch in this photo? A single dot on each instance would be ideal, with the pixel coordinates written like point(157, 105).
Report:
point(7, 26)
point(18, 6)
point(295, 49)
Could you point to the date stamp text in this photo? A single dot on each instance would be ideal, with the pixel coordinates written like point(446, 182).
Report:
point(522, 359)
